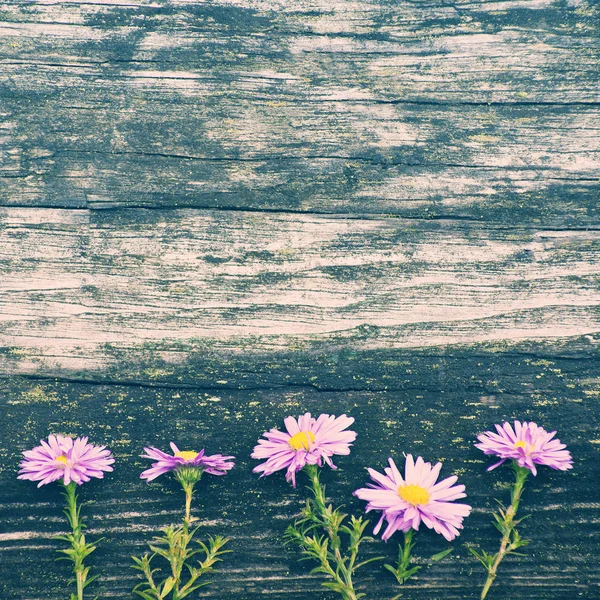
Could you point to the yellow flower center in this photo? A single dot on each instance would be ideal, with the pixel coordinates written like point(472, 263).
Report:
point(527, 447)
point(187, 455)
point(413, 494)
point(302, 440)
point(62, 459)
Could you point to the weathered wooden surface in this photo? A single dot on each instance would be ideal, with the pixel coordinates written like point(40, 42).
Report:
point(435, 412)
point(77, 288)
point(482, 110)
point(215, 214)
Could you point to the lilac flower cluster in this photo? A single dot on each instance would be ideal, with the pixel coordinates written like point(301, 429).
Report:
point(307, 441)
point(527, 444)
point(217, 464)
point(407, 501)
point(404, 501)
point(69, 460)
point(63, 458)
point(417, 497)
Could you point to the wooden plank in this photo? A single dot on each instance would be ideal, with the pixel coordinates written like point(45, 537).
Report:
point(449, 402)
point(78, 288)
point(486, 111)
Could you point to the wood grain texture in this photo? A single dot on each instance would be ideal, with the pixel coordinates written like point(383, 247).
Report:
point(486, 111)
point(217, 213)
point(77, 287)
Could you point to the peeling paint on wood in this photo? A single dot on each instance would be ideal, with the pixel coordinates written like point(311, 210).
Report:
point(478, 110)
point(74, 282)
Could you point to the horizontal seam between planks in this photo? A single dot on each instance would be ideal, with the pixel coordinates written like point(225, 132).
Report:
point(237, 388)
point(386, 216)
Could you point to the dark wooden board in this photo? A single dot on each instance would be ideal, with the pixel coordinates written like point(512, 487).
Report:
point(436, 412)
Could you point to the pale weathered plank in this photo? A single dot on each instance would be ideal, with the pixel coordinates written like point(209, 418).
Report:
point(77, 286)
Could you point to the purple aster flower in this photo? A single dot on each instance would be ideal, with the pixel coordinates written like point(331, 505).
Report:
point(308, 441)
point(217, 464)
point(527, 444)
point(405, 502)
point(63, 458)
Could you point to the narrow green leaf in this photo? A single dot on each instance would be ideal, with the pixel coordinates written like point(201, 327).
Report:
point(366, 562)
point(167, 586)
point(182, 595)
point(410, 572)
point(90, 580)
point(440, 555)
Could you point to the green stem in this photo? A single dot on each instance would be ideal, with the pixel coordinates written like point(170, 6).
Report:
point(317, 488)
point(343, 573)
point(405, 555)
point(174, 547)
point(188, 477)
point(506, 546)
point(77, 538)
point(189, 492)
point(188, 480)
point(403, 571)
